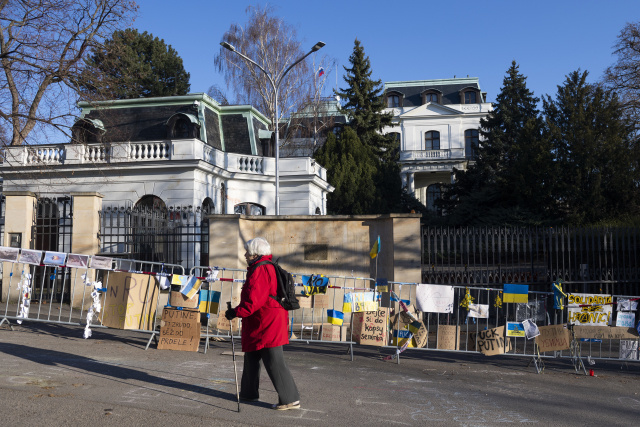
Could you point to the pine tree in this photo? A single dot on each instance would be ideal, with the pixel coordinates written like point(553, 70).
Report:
point(364, 104)
point(510, 180)
point(133, 65)
point(596, 169)
point(351, 170)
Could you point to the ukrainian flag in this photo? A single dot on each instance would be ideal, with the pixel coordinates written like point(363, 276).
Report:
point(359, 301)
point(335, 317)
point(375, 250)
point(315, 285)
point(414, 327)
point(209, 301)
point(382, 285)
point(515, 293)
point(401, 337)
point(189, 285)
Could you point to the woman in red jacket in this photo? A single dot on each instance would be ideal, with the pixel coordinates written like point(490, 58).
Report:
point(264, 329)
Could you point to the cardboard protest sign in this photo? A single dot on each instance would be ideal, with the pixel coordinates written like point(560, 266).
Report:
point(448, 337)
point(492, 341)
point(370, 327)
point(130, 302)
point(434, 298)
point(321, 301)
point(333, 332)
point(179, 330)
point(176, 299)
point(421, 336)
point(553, 338)
point(605, 332)
point(590, 309)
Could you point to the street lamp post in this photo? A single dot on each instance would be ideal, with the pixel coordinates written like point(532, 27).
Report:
point(275, 84)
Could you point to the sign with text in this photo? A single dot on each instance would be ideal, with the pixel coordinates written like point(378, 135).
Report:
point(179, 330)
point(130, 302)
point(370, 327)
point(553, 338)
point(448, 337)
point(492, 341)
point(589, 309)
point(605, 332)
point(434, 298)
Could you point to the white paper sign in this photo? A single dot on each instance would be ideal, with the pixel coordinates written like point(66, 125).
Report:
point(625, 305)
point(530, 329)
point(625, 319)
point(434, 298)
point(481, 311)
point(629, 349)
point(589, 309)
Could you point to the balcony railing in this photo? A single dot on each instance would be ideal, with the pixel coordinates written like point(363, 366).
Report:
point(417, 155)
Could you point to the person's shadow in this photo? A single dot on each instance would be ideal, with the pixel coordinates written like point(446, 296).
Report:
point(111, 372)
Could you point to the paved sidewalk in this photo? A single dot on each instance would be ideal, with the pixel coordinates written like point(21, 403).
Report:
point(50, 376)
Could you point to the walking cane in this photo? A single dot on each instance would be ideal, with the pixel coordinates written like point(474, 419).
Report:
point(233, 351)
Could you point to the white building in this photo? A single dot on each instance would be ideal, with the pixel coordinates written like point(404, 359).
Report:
point(177, 151)
point(437, 125)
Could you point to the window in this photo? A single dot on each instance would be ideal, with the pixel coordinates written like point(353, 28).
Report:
point(249, 209)
point(470, 98)
point(434, 192)
point(432, 140)
point(393, 101)
point(471, 141)
point(431, 97)
point(396, 137)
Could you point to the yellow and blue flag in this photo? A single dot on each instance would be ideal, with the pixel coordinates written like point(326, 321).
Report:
point(382, 285)
point(315, 285)
point(376, 249)
point(189, 285)
point(515, 293)
point(414, 327)
point(209, 301)
point(359, 301)
point(335, 317)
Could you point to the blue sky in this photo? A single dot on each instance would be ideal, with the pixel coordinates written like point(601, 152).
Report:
point(415, 40)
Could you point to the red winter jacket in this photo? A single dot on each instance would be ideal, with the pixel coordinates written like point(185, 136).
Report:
point(264, 321)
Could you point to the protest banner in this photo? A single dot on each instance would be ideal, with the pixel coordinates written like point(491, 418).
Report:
point(179, 330)
point(434, 298)
point(492, 341)
point(130, 301)
point(589, 309)
point(553, 338)
point(448, 337)
point(370, 327)
point(605, 332)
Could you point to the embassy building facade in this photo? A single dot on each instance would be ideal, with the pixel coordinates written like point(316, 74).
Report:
point(437, 124)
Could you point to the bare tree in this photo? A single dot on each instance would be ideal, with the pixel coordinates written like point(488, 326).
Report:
point(274, 45)
point(624, 75)
point(43, 44)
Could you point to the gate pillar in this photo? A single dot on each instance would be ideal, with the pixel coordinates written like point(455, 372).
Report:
point(84, 238)
point(19, 215)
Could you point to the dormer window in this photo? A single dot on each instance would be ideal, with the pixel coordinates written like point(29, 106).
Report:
point(183, 126)
point(86, 131)
point(432, 96)
point(394, 100)
point(470, 98)
point(470, 95)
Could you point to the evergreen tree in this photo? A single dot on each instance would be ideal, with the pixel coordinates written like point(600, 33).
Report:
point(134, 65)
point(364, 104)
point(351, 170)
point(596, 170)
point(510, 180)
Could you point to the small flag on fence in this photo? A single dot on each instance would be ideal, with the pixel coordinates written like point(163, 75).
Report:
point(189, 285)
point(209, 301)
point(359, 301)
point(414, 327)
point(382, 285)
point(516, 293)
point(375, 250)
point(335, 317)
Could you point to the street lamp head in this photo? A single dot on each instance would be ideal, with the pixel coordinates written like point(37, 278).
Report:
point(230, 46)
point(317, 46)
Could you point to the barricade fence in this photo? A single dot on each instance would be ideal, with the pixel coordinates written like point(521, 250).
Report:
point(128, 294)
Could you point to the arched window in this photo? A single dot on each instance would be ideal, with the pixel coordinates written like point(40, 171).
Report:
point(86, 131)
point(396, 137)
point(394, 99)
point(151, 202)
point(182, 126)
point(471, 140)
point(208, 207)
point(434, 192)
point(432, 140)
point(249, 209)
point(432, 95)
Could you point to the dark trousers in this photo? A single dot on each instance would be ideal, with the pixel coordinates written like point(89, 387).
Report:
point(273, 359)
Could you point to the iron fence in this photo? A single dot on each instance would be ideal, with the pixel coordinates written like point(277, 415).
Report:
point(587, 259)
point(175, 235)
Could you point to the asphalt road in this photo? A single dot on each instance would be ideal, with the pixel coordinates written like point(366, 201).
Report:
point(51, 376)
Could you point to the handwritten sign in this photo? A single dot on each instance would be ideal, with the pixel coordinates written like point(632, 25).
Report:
point(333, 332)
point(434, 298)
point(315, 284)
point(626, 319)
point(130, 302)
point(359, 301)
point(589, 309)
point(492, 341)
point(370, 328)
point(179, 330)
point(448, 337)
point(605, 332)
point(421, 336)
point(553, 338)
